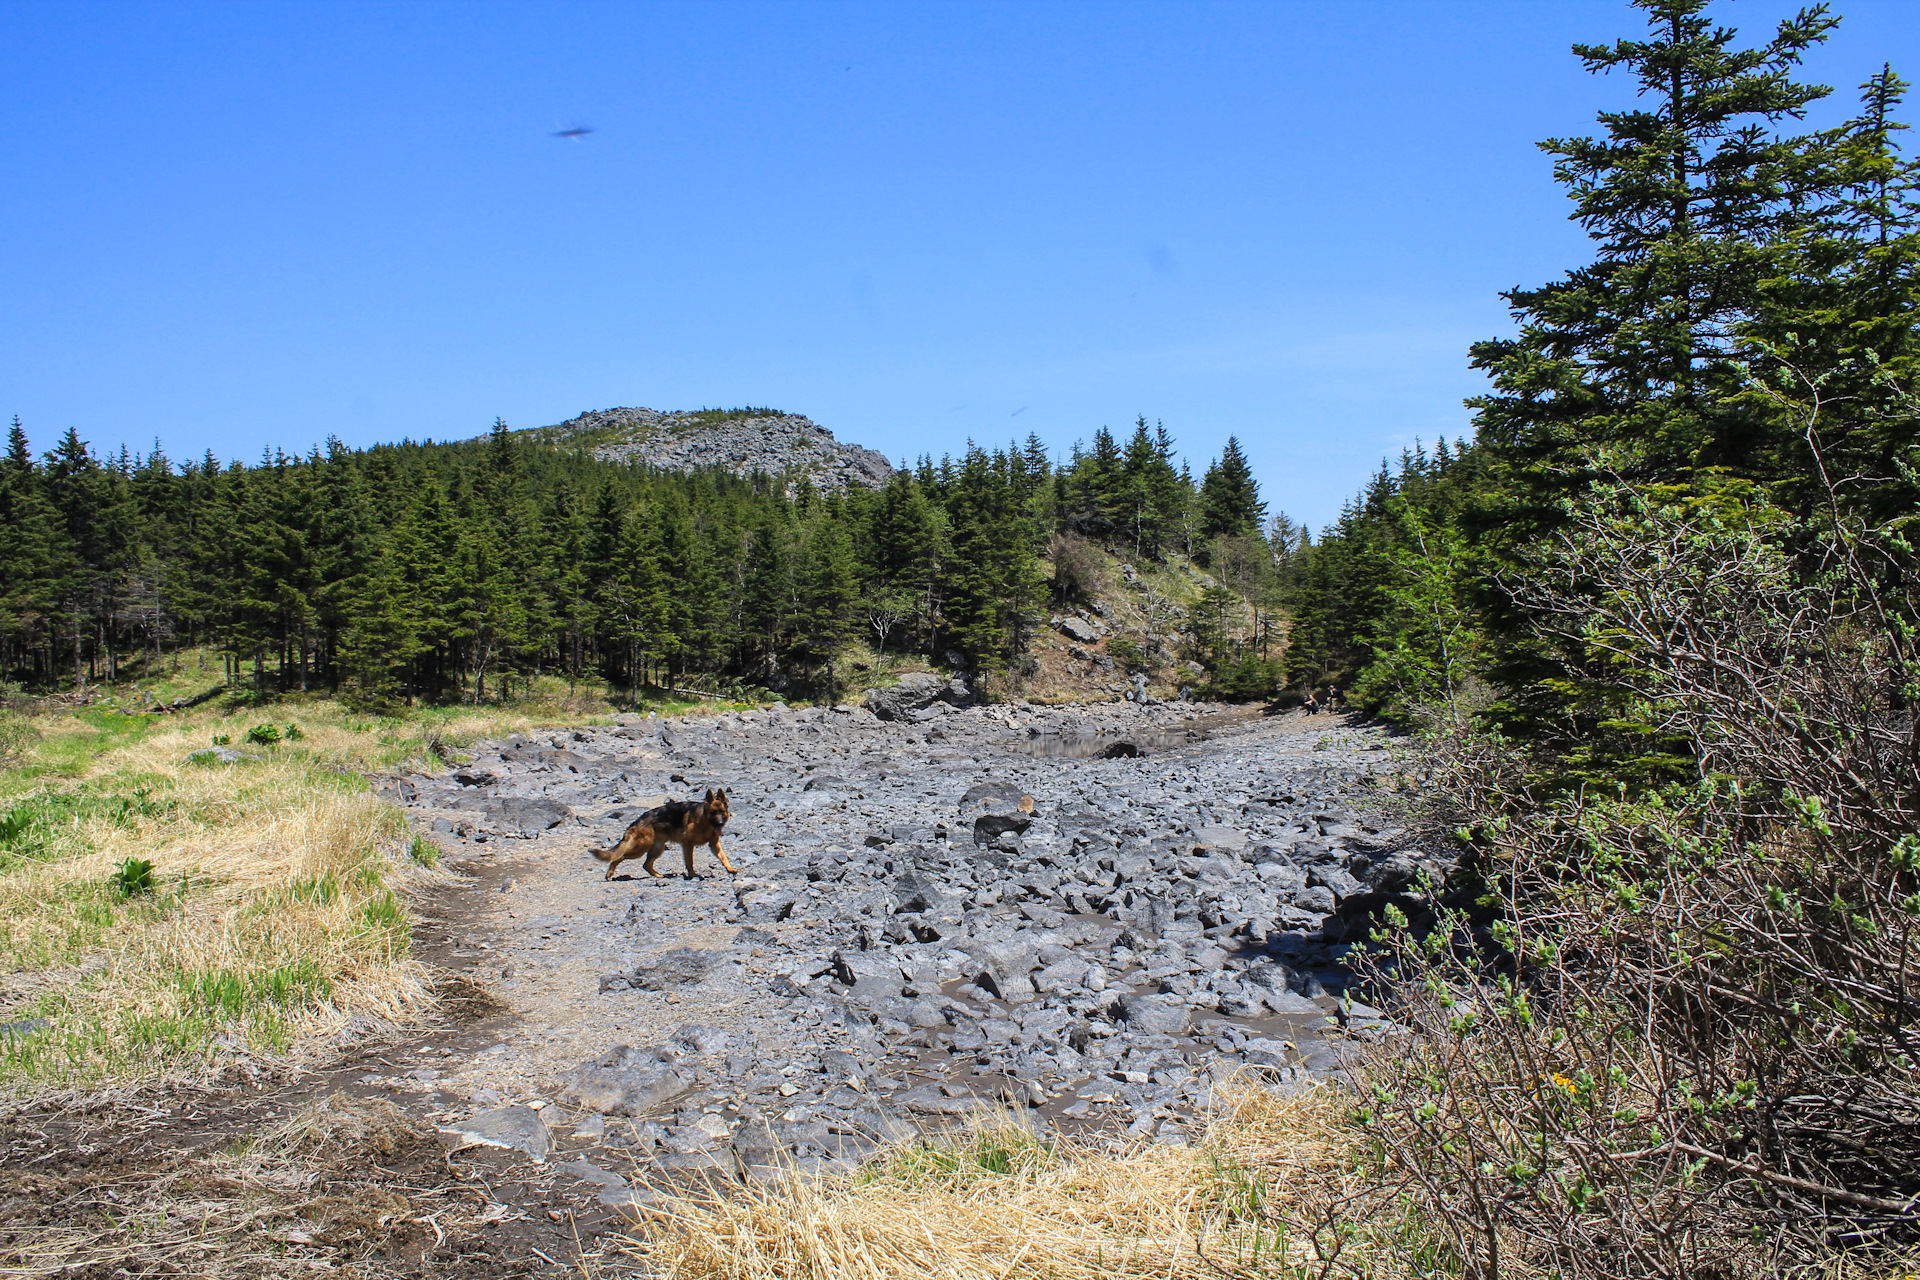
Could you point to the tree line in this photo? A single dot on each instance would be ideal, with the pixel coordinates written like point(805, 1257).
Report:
point(448, 571)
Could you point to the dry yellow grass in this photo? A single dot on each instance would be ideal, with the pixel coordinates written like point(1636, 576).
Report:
point(277, 915)
point(1270, 1192)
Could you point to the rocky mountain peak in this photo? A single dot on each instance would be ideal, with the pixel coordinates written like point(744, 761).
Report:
point(743, 441)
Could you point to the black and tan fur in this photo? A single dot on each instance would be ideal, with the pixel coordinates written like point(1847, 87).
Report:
point(683, 822)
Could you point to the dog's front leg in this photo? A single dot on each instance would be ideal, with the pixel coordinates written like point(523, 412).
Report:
point(688, 850)
point(721, 854)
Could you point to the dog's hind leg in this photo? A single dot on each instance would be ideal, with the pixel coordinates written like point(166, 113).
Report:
point(653, 855)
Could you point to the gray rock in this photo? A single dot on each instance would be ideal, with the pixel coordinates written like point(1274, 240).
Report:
point(1342, 884)
point(1318, 898)
point(527, 815)
point(625, 1082)
point(1290, 1003)
point(588, 1172)
point(1216, 837)
point(516, 1128)
point(989, 827)
point(680, 967)
point(767, 905)
point(763, 442)
point(915, 692)
point(221, 755)
point(992, 796)
point(1156, 1015)
point(1077, 629)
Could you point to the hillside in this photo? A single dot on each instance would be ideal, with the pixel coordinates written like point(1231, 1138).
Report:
point(742, 441)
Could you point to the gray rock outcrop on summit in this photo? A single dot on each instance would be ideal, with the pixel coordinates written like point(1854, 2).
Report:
point(766, 442)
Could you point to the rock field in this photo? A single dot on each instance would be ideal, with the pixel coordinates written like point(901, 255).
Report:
point(1084, 916)
point(775, 444)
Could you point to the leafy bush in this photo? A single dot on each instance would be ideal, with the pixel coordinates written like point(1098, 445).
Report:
point(295, 733)
point(264, 735)
point(1670, 1034)
point(134, 878)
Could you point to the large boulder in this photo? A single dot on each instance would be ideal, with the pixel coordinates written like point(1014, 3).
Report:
point(916, 691)
point(1077, 629)
point(527, 815)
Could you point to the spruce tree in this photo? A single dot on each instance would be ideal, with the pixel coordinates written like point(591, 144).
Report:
point(1693, 200)
point(1230, 504)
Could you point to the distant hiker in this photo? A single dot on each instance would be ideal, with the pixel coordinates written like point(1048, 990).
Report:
point(1333, 701)
point(1313, 707)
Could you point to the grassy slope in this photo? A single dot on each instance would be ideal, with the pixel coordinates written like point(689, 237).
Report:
point(275, 916)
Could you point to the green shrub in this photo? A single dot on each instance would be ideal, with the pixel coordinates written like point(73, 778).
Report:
point(264, 735)
point(134, 878)
point(1247, 677)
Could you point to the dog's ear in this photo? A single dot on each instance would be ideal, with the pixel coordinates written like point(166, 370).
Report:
point(709, 795)
point(722, 793)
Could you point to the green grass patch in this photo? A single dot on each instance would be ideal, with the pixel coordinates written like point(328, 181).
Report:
point(424, 851)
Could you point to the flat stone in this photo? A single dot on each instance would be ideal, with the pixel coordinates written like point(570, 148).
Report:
point(588, 1172)
point(516, 1128)
point(527, 815)
point(1217, 837)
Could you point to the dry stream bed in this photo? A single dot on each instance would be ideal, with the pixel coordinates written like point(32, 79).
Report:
point(1082, 919)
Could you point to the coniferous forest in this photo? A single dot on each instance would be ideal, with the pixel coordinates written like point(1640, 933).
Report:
point(444, 571)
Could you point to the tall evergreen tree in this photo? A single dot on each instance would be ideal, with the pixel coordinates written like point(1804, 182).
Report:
point(1230, 504)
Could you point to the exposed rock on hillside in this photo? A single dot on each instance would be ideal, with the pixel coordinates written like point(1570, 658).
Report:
point(741, 441)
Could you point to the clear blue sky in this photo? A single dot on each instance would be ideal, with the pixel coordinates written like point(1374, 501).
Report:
point(232, 227)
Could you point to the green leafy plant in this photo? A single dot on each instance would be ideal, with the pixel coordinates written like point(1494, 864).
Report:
point(295, 733)
point(265, 735)
point(134, 878)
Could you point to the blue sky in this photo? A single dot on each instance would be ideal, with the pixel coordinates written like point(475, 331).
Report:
point(236, 227)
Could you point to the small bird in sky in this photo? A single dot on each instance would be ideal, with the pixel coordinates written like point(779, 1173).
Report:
point(576, 133)
point(1017, 412)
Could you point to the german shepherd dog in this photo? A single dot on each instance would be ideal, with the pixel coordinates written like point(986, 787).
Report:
point(682, 822)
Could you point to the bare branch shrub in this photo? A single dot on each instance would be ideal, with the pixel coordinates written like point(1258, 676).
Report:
point(1676, 1034)
point(1079, 569)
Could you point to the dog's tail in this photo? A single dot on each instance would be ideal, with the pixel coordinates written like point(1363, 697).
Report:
point(604, 855)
